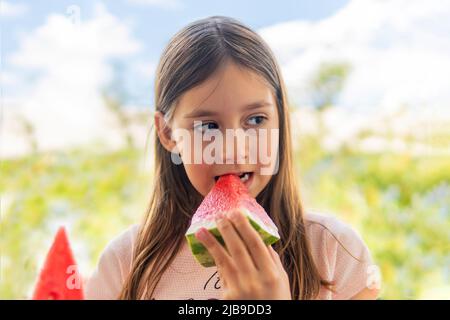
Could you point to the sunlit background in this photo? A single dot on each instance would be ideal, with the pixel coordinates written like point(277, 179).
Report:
point(369, 88)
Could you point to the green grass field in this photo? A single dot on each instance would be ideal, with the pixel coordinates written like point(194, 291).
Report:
point(400, 204)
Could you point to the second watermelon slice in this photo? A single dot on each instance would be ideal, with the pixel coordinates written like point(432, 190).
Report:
point(229, 193)
point(59, 278)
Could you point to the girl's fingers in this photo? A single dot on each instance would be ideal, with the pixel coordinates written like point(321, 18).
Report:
point(218, 252)
point(235, 246)
point(252, 239)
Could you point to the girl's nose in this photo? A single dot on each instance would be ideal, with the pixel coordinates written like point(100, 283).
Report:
point(235, 148)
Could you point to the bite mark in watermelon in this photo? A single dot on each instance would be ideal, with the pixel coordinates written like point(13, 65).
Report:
point(59, 278)
point(229, 193)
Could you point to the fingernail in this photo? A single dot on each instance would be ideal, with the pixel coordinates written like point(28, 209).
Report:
point(201, 234)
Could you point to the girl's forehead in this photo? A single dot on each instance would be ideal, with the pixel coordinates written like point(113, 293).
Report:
point(230, 88)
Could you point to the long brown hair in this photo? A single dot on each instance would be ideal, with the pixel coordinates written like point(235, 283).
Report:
point(191, 56)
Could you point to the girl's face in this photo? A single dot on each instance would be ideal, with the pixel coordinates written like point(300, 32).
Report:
point(238, 105)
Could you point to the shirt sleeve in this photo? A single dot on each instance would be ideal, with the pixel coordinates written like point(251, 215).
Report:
point(107, 280)
point(351, 259)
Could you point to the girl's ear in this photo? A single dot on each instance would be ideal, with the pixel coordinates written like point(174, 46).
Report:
point(164, 132)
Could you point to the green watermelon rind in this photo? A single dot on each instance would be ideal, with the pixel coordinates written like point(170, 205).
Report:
point(202, 255)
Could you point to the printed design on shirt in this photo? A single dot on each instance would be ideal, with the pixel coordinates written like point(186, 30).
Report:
point(213, 282)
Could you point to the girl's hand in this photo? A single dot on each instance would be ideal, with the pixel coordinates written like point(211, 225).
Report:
point(248, 268)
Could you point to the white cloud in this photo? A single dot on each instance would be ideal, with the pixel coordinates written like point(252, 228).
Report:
point(399, 50)
point(8, 9)
point(164, 4)
point(8, 78)
point(71, 63)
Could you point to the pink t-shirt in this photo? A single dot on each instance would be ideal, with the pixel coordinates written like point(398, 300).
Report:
point(338, 251)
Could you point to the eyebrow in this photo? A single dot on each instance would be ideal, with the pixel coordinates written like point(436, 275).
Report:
point(197, 113)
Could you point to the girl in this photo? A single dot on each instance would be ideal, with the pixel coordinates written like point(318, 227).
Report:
point(217, 74)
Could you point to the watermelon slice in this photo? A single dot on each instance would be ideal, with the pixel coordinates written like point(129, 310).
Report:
point(59, 278)
point(229, 193)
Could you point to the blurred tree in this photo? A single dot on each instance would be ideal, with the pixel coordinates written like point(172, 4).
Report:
point(327, 83)
point(115, 97)
point(29, 133)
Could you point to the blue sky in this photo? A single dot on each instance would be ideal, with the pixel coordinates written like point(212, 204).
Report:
point(54, 66)
point(152, 23)
point(399, 50)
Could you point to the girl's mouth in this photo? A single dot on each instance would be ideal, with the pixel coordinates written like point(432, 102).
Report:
point(246, 177)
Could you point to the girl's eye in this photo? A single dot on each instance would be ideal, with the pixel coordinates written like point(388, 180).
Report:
point(256, 120)
point(207, 126)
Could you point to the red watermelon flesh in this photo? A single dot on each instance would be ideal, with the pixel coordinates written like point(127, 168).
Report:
point(229, 193)
point(59, 278)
